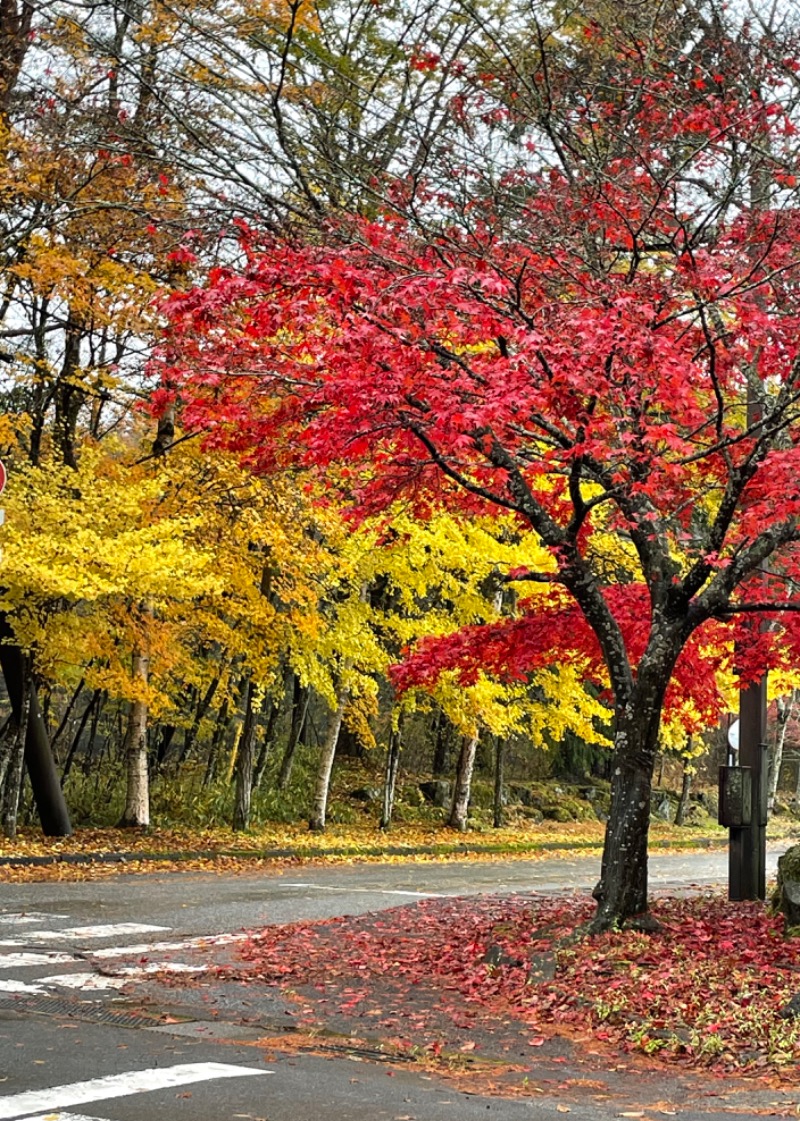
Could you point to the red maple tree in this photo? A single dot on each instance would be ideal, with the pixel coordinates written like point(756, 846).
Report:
point(602, 337)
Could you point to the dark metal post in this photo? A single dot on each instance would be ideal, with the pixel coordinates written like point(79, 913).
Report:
point(748, 848)
point(748, 845)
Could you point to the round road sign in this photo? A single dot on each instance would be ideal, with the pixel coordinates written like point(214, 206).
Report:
point(733, 735)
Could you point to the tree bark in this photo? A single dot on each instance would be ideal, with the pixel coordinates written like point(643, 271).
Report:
point(244, 764)
point(164, 743)
point(785, 706)
point(686, 786)
point(8, 731)
point(622, 890)
point(440, 746)
point(266, 743)
point(390, 775)
point(621, 893)
point(216, 743)
point(499, 780)
point(76, 739)
point(463, 783)
point(88, 755)
point(56, 736)
point(300, 699)
point(318, 814)
point(14, 745)
point(137, 797)
point(47, 792)
point(190, 735)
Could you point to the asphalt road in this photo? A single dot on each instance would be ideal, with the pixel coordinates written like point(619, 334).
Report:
point(72, 1047)
point(204, 903)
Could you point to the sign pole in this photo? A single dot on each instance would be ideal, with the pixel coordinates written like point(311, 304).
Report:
point(752, 858)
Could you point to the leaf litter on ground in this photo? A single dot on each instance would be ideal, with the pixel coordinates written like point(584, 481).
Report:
point(223, 849)
point(707, 990)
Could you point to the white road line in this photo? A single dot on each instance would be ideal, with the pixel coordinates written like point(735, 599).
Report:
point(20, 961)
point(73, 933)
point(58, 1115)
point(372, 891)
point(118, 1086)
point(20, 987)
point(91, 982)
point(161, 947)
point(18, 918)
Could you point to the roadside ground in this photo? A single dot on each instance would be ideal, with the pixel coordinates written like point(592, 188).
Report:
point(491, 995)
point(494, 996)
point(91, 853)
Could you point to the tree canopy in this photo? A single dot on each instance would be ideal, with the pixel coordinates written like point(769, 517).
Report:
point(596, 330)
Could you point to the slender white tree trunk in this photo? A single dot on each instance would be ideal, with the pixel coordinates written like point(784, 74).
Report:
point(390, 774)
point(785, 706)
point(244, 763)
point(137, 797)
point(463, 783)
point(319, 812)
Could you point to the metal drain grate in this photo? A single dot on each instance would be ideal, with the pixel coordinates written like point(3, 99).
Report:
point(360, 1052)
point(99, 1014)
point(90, 1013)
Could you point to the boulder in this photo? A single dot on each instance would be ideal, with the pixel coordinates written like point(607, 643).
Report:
point(366, 794)
point(709, 802)
point(786, 897)
point(791, 1010)
point(663, 810)
point(496, 956)
point(522, 795)
point(438, 792)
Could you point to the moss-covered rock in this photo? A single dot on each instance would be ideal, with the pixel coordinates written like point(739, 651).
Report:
point(786, 897)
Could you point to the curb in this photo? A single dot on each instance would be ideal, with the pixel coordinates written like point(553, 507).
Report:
point(180, 856)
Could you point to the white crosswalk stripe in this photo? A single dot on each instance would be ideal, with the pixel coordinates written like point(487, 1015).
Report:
point(107, 976)
point(166, 947)
point(74, 933)
point(45, 1103)
point(59, 1115)
point(21, 961)
point(21, 918)
point(20, 987)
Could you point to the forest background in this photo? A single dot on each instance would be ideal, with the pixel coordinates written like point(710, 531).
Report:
point(185, 636)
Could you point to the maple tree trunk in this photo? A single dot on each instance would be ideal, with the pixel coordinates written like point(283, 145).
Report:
point(317, 820)
point(390, 776)
point(463, 783)
point(621, 893)
point(137, 796)
point(244, 764)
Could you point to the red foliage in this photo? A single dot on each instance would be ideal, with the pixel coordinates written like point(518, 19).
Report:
point(708, 988)
point(497, 363)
